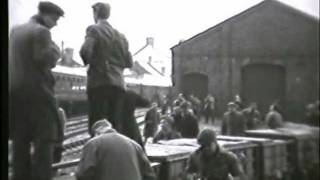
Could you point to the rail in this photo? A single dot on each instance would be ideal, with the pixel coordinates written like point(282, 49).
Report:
point(76, 136)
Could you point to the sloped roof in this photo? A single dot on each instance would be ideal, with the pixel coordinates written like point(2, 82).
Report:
point(250, 10)
point(150, 80)
point(138, 68)
point(72, 63)
point(146, 53)
point(80, 71)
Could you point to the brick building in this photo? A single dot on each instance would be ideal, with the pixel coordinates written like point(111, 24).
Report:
point(268, 52)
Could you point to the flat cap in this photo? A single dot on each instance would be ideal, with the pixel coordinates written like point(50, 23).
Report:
point(232, 104)
point(103, 9)
point(185, 105)
point(50, 8)
point(101, 123)
point(206, 137)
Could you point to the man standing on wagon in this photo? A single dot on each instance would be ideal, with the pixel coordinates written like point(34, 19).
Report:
point(106, 51)
point(32, 105)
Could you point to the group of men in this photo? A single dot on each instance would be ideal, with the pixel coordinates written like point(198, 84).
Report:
point(34, 115)
point(116, 148)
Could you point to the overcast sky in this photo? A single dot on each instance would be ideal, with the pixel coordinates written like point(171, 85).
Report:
point(168, 21)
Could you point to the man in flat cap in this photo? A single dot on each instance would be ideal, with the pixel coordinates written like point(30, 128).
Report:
point(32, 106)
point(106, 51)
point(186, 122)
point(110, 155)
point(213, 162)
point(233, 122)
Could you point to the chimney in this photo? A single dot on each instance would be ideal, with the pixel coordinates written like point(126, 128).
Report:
point(149, 59)
point(163, 70)
point(181, 41)
point(150, 41)
point(62, 48)
point(68, 56)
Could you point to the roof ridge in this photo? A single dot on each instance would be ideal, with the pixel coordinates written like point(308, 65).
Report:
point(146, 45)
point(245, 12)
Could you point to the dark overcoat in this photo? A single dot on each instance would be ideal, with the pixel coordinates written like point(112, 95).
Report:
point(233, 124)
point(32, 105)
point(152, 120)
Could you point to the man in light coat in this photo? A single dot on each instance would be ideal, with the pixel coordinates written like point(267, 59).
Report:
point(112, 156)
point(33, 116)
point(106, 51)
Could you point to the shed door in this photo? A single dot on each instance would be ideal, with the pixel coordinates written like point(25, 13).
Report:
point(263, 83)
point(196, 84)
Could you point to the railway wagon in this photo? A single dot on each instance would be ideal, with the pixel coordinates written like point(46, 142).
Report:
point(173, 155)
point(70, 90)
point(270, 159)
point(302, 148)
point(169, 158)
point(71, 165)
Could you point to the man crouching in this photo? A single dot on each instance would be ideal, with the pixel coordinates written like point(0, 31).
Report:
point(112, 156)
point(212, 162)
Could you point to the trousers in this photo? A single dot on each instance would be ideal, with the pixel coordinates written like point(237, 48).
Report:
point(34, 165)
point(105, 102)
point(33, 125)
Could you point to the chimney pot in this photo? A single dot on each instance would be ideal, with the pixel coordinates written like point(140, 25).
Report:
point(150, 41)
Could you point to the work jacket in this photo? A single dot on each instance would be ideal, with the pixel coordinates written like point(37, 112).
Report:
point(106, 51)
point(112, 156)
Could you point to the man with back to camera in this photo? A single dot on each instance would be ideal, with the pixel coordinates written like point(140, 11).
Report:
point(32, 106)
point(252, 116)
point(233, 122)
point(152, 120)
point(106, 51)
point(110, 155)
point(212, 162)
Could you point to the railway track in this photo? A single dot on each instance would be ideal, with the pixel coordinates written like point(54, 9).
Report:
point(76, 135)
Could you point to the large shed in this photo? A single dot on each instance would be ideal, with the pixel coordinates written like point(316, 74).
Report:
point(268, 52)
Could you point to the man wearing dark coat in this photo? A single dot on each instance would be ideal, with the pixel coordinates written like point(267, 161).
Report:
point(209, 109)
point(129, 126)
point(213, 162)
point(186, 122)
point(33, 116)
point(106, 51)
point(152, 120)
point(233, 122)
point(252, 116)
